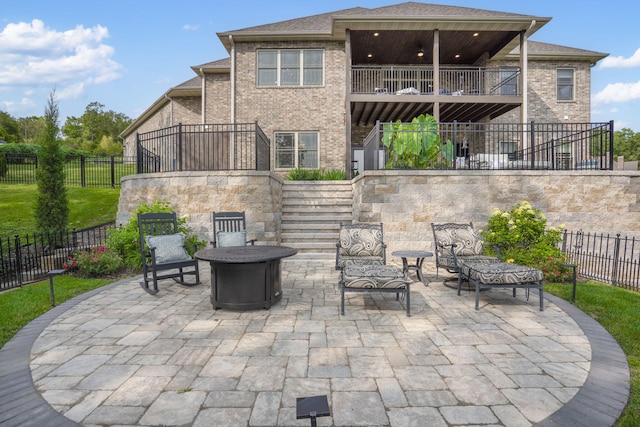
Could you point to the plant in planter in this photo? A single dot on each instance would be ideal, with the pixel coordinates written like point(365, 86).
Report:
point(416, 145)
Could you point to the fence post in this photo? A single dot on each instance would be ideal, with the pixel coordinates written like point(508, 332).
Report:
point(611, 144)
point(83, 180)
point(614, 264)
point(113, 171)
point(532, 143)
point(138, 155)
point(16, 246)
point(180, 147)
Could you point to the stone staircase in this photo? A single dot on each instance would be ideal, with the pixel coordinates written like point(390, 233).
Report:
point(311, 216)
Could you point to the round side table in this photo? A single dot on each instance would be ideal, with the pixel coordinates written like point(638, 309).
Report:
point(417, 267)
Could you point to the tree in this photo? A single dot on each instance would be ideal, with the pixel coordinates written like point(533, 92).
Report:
point(9, 128)
point(627, 144)
point(87, 131)
point(30, 128)
point(52, 209)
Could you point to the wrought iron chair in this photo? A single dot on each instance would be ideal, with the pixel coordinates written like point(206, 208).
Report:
point(361, 257)
point(230, 229)
point(162, 247)
point(454, 242)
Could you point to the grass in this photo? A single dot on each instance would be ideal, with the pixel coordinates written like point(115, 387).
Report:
point(618, 311)
point(87, 207)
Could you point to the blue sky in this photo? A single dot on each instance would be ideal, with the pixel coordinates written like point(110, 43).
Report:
point(126, 54)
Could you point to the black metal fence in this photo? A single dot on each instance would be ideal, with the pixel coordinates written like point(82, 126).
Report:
point(212, 147)
point(28, 258)
point(525, 146)
point(80, 170)
point(609, 259)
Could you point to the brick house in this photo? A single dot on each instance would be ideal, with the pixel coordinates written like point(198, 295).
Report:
point(318, 85)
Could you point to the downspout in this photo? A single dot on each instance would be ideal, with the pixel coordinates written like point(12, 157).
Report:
point(203, 108)
point(232, 153)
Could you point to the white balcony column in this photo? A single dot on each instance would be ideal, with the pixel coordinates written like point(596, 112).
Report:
point(347, 108)
point(436, 73)
point(524, 85)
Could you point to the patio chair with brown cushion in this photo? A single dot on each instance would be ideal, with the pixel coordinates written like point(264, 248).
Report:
point(162, 247)
point(230, 229)
point(360, 243)
point(458, 241)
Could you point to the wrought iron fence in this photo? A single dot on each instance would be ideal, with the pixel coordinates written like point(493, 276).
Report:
point(609, 259)
point(524, 146)
point(80, 170)
point(212, 147)
point(28, 258)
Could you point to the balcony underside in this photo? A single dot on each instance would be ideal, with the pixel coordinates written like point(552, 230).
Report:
point(367, 109)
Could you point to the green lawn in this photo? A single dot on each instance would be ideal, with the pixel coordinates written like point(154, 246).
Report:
point(87, 207)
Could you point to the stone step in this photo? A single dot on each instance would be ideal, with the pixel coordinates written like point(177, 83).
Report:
point(331, 217)
point(295, 236)
point(329, 227)
point(322, 202)
point(312, 210)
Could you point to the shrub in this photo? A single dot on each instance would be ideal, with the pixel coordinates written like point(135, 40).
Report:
point(300, 174)
point(96, 261)
point(126, 239)
point(523, 238)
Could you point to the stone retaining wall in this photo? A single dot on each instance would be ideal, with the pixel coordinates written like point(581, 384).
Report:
point(198, 194)
point(407, 202)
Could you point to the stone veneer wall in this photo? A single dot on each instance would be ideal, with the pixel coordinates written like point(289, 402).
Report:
point(198, 194)
point(407, 202)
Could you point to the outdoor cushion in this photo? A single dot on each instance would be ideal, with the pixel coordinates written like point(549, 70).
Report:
point(168, 248)
point(450, 262)
point(373, 277)
point(232, 238)
point(361, 242)
point(467, 241)
point(502, 273)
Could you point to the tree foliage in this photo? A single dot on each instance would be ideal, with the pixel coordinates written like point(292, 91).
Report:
point(88, 132)
point(627, 144)
point(52, 210)
point(9, 128)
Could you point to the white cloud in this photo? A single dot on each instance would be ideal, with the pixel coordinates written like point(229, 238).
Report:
point(33, 56)
point(618, 92)
point(190, 27)
point(621, 61)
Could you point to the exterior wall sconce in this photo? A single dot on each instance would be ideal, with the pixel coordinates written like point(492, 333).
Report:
point(420, 52)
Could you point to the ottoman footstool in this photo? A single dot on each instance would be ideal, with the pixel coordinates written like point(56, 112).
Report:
point(502, 275)
point(374, 278)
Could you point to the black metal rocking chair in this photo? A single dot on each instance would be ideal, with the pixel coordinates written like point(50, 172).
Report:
point(162, 247)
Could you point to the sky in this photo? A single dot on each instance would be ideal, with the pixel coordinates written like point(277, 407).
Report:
point(127, 54)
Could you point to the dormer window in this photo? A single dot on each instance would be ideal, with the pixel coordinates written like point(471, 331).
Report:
point(290, 67)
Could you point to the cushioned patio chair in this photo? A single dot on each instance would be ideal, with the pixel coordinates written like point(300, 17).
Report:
point(230, 229)
point(162, 247)
point(361, 257)
point(455, 241)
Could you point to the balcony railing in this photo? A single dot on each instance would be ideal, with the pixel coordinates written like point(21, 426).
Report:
point(214, 147)
point(552, 146)
point(419, 80)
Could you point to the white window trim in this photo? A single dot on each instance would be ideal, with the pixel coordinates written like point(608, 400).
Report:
point(278, 68)
point(573, 85)
point(295, 149)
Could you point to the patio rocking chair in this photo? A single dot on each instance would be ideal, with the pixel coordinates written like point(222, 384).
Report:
point(230, 229)
point(456, 242)
point(162, 247)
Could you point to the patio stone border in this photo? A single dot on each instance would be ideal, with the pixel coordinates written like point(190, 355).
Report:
point(599, 402)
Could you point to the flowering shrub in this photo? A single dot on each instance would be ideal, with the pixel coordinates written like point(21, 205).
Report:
point(523, 238)
point(97, 261)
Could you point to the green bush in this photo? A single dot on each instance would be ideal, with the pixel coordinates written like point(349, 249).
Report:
point(523, 238)
point(300, 174)
point(126, 239)
point(95, 262)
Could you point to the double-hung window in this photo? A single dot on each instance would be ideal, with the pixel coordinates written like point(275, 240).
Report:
point(296, 150)
point(565, 84)
point(290, 67)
